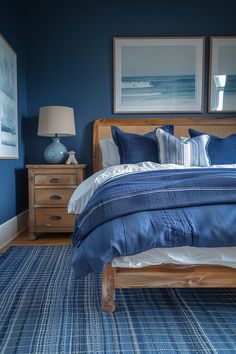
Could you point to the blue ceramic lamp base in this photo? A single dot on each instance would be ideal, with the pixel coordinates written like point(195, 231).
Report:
point(56, 152)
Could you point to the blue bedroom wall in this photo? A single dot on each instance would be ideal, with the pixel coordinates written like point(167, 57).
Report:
point(13, 182)
point(69, 62)
point(69, 56)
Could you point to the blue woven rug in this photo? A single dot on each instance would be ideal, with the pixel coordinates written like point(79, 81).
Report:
point(43, 309)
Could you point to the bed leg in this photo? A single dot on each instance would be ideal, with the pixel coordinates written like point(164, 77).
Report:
point(108, 289)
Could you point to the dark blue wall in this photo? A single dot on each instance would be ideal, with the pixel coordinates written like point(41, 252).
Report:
point(69, 62)
point(70, 53)
point(13, 183)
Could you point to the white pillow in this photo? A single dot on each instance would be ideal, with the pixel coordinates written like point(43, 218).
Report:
point(110, 153)
point(189, 152)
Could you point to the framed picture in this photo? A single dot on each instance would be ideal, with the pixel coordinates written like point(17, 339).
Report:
point(8, 102)
point(158, 74)
point(222, 75)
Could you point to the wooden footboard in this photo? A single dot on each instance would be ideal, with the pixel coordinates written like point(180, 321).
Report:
point(164, 276)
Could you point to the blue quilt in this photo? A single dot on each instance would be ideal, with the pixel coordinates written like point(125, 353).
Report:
point(167, 208)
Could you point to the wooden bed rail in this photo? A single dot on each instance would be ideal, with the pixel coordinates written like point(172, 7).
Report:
point(164, 276)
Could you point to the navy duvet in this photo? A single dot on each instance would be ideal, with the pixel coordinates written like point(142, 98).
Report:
point(165, 208)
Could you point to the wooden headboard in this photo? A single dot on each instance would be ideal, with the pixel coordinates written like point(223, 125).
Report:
point(102, 129)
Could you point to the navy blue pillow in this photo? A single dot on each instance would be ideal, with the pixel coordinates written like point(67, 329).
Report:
point(220, 150)
point(134, 148)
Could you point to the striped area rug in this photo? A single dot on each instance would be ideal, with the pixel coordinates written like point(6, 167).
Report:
point(43, 309)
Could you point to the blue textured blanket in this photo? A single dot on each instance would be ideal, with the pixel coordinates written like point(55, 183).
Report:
point(136, 212)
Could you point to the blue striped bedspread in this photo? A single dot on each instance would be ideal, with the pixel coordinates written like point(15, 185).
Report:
point(166, 208)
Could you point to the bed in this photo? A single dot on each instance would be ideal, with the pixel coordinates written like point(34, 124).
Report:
point(164, 275)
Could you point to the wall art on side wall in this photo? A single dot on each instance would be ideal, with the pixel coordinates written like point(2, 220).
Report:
point(8, 102)
point(222, 75)
point(158, 74)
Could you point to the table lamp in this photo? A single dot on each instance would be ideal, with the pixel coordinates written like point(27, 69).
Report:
point(56, 122)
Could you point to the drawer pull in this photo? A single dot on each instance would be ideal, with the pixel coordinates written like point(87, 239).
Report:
point(55, 217)
point(55, 180)
point(55, 197)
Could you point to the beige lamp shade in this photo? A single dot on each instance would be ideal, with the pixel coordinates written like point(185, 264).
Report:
point(56, 121)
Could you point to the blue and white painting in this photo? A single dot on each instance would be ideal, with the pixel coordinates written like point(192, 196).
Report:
point(155, 90)
point(8, 102)
point(223, 74)
point(158, 75)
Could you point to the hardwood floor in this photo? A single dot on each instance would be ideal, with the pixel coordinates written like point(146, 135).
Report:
point(42, 240)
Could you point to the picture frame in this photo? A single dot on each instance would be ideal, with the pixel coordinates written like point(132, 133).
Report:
point(8, 102)
point(158, 74)
point(222, 74)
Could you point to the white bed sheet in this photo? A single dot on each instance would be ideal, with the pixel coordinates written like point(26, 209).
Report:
point(225, 256)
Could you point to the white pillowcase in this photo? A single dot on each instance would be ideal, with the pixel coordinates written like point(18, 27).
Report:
point(189, 152)
point(110, 153)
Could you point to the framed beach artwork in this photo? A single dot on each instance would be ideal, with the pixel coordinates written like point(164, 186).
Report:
point(8, 102)
point(158, 74)
point(222, 75)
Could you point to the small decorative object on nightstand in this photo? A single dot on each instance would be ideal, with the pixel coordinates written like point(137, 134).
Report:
point(71, 158)
point(50, 188)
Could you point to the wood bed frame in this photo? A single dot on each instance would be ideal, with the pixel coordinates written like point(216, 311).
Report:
point(170, 275)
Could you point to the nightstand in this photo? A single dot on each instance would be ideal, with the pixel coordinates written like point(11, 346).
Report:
point(50, 188)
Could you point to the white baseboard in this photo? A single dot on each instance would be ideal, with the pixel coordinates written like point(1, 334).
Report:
point(13, 227)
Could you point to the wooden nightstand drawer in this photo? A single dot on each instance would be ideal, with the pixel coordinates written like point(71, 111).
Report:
point(55, 179)
point(53, 217)
point(52, 196)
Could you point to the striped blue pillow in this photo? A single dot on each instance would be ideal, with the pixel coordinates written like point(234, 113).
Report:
point(189, 152)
